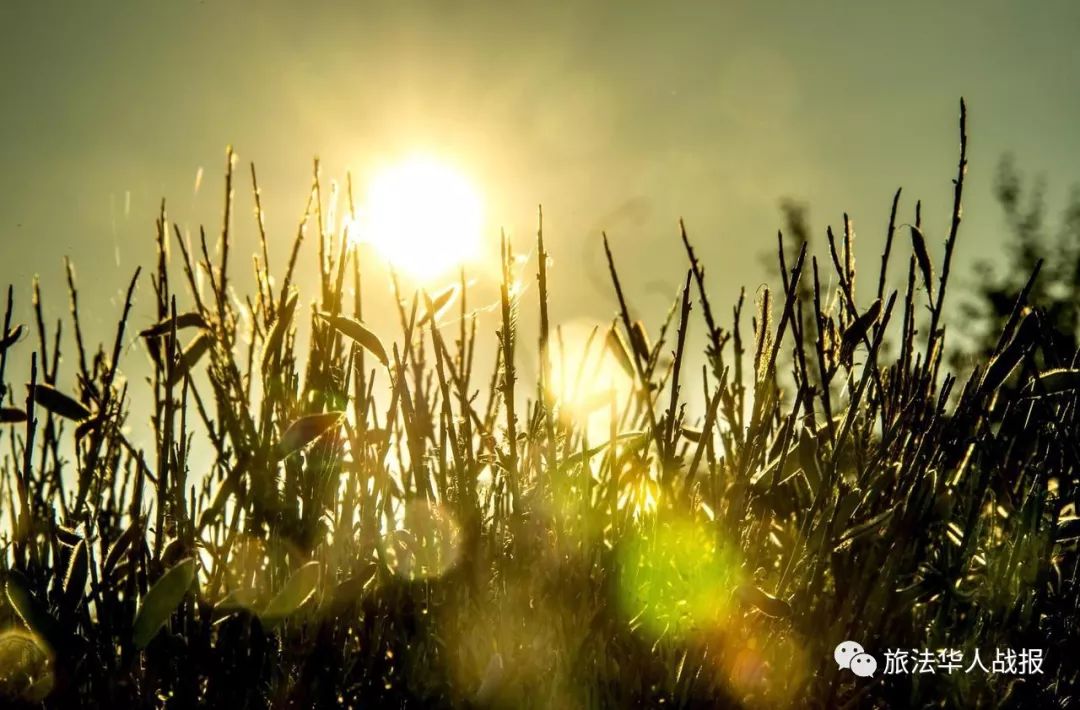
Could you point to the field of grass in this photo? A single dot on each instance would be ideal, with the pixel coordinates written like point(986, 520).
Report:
point(383, 526)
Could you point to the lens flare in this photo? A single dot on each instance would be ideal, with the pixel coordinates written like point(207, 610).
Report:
point(26, 666)
point(426, 546)
point(678, 578)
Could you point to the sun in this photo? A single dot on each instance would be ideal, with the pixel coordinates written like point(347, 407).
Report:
point(422, 215)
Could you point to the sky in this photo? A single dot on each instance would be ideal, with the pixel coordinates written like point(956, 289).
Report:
point(621, 116)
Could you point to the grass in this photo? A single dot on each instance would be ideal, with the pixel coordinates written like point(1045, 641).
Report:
point(382, 525)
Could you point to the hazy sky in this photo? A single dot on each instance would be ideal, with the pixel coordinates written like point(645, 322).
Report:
point(614, 115)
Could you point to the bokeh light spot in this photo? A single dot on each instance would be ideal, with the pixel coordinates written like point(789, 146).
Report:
point(427, 545)
point(26, 667)
point(677, 577)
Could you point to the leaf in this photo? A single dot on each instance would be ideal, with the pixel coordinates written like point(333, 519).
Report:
point(305, 430)
point(356, 331)
point(59, 403)
point(1068, 529)
point(10, 415)
point(237, 600)
point(639, 340)
point(183, 320)
point(277, 333)
point(40, 689)
point(763, 334)
point(922, 256)
point(434, 307)
point(189, 358)
point(618, 350)
point(865, 528)
point(175, 551)
point(119, 547)
point(634, 439)
point(763, 601)
point(161, 600)
point(1051, 382)
point(297, 590)
point(75, 579)
point(762, 480)
point(352, 589)
point(87, 426)
point(858, 330)
point(1003, 363)
point(692, 433)
point(916, 593)
point(68, 536)
point(845, 508)
point(32, 612)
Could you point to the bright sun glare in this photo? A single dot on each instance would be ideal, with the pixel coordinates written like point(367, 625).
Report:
point(424, 216)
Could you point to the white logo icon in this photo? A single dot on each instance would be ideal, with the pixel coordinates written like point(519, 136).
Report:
point(847, 650)
point(863, 665)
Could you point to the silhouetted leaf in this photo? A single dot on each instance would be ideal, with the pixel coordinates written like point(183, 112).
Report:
point(305, 430)
point(352, 589)
point(189, 358)
point(618, 350)
point(175, 551)
point(59, 403)
point(10, 415)
point(87, 426)
point(1052, 382)
point(858, 330)
point(763, 601)
point(242, 599)
point(297, 590)
point(68, 536)
point(922, 257)
point(357, 331)
point(434, 306)
point(32, 612)
point(75, 580)
point(866, 528)
point(1068, 529)
point(633, 439)
point(692, 433)
point(183, 320)
point(845, 508)
point(119, 547)
point(639, 340)
point(1003, 363)
point(161, 600)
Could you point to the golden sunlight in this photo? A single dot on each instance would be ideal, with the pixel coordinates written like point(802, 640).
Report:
point(588, 372)
point(423, 216)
